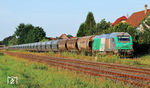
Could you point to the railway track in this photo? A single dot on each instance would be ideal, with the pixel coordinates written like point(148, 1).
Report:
point(133, 75)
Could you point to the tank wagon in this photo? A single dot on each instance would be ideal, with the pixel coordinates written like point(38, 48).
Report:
point(117, 43)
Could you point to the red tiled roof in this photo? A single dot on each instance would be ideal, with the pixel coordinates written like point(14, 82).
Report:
point(136, 18)
point(119, 20)
point(63, 36)
point(51, 38)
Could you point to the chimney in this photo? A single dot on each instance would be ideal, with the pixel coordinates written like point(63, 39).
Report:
point(145, 8)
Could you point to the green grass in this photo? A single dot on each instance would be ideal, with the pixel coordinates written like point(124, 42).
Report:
point(35, 75)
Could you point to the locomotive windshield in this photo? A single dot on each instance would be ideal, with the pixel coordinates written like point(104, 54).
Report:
point(123, 39)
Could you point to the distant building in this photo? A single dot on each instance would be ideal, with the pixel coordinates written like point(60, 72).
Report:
point(121, 19)
point(51, 38)
point(136, 18)
point(63, 36)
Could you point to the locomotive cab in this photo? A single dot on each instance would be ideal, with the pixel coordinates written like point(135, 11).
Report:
point(123, 44)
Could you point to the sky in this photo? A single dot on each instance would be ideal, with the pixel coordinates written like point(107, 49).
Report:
point(62, 16)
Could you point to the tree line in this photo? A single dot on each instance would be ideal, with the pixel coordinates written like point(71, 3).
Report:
point(25, 33)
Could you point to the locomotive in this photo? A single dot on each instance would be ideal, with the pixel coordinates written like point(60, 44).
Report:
point(117, 43)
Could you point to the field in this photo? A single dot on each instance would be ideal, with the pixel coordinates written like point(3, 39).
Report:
point(35, 75)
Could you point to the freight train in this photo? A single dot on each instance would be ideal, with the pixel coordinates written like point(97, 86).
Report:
point(116, 43)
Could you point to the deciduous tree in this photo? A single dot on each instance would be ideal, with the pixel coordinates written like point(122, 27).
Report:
point(29, 34)
point(22, 32)
point(102, 27)
point(7, 40)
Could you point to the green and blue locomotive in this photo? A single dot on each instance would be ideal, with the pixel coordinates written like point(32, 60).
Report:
point(118, 42)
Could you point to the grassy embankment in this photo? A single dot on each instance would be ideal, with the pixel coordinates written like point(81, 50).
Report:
point(35, 75)
point(143, 61)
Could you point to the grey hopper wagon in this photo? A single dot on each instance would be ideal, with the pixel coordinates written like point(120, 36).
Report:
point(39, 46)
point(55, 45)
point(49, 46)
point(43, 44)
point(31, 46)
point(34, 47)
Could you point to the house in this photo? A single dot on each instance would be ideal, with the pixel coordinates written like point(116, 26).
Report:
point(121, 19)
point(51, 38)
point(63, 36)
point(136, 18)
